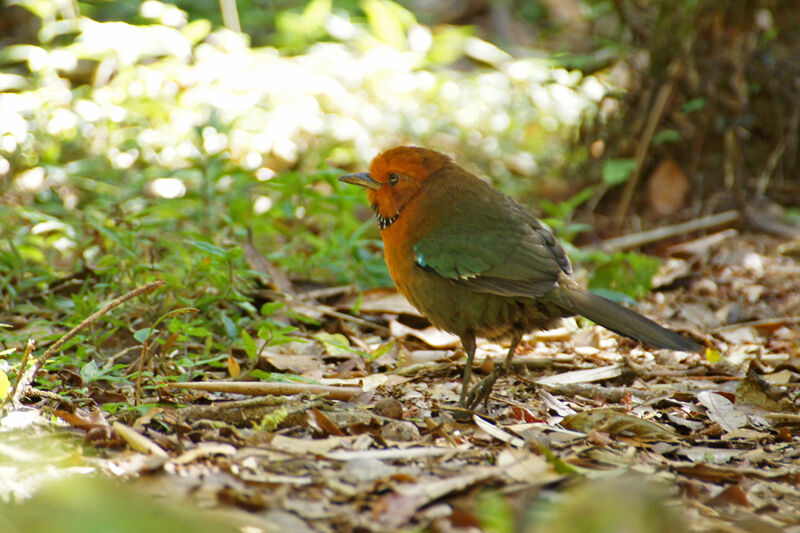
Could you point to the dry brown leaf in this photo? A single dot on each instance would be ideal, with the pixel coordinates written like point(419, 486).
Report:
point(233, 367)
point(297, 364)
point(619, 424)
point(667, 187)
point(327, 425)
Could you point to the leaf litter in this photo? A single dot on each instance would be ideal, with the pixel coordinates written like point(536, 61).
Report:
point(363, 433)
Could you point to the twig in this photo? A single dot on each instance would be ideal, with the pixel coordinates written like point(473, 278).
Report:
point(137, 441)
point(633, 240)
point(653, 119)
point(13, 392)
point(257, 388)
point(702, 244)
point(30, 391)
point(144, 289)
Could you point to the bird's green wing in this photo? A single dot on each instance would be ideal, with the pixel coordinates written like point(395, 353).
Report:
point(512, 254)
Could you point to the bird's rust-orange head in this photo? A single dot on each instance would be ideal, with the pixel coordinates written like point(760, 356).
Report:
point(395, 177)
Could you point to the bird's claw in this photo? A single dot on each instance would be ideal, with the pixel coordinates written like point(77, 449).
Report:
point(483, 389)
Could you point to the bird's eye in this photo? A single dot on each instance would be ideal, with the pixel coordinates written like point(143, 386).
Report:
point(394, 179)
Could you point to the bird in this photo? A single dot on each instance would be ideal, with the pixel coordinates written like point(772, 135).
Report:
point(476, 263)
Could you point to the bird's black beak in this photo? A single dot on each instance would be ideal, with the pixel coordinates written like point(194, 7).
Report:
point(362, 179)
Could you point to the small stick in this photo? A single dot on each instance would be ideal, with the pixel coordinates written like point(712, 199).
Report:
point(633, 240)
point(258, 388)
point(702, 244)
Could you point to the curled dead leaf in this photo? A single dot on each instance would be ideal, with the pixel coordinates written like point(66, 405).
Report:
point(618, 424)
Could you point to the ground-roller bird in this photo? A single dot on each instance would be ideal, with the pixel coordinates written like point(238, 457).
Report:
point(477, 264)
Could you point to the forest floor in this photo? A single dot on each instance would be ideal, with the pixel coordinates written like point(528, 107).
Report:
point(588, 429)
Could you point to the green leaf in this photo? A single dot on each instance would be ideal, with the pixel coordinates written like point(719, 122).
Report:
point(234, 253)
point(560, 466)
point(197, 331)
point(305, 319)
point(208, 248)
point(623, 272)
point(141, 335)
point(357, 304)
point(335, 343)
point(270, 307)
point(383, 349)
point(615, 296)
point(667, 136)
point(90, 372)
point(249, 345)
point(230, 327)
point(696, 104)
point(616, 171)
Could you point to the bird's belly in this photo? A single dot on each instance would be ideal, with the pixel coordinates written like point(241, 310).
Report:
point(459, 310)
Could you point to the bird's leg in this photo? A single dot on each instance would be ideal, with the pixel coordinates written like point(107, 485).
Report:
point(515, 340)
point(481, 391)
point(468, 342)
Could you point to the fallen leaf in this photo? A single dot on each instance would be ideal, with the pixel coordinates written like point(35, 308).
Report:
point(233, 367)
point(733, 494)
point(431, 336)
point(335, 344)
point(327, 425)
point(297, 364)
point(526, 467)
point(582, 376)
point(667, 187)
point(619, 424)
point(498, 433)
point(722, 411)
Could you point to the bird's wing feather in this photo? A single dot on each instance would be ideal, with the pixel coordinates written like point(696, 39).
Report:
point(487, 252)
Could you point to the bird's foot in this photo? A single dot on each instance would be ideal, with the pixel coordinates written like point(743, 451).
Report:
point(483, 389)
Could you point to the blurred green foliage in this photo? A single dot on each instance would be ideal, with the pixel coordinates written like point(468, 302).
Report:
point(98, 506)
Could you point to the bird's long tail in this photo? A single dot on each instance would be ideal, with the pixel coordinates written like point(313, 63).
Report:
point(620, 319)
